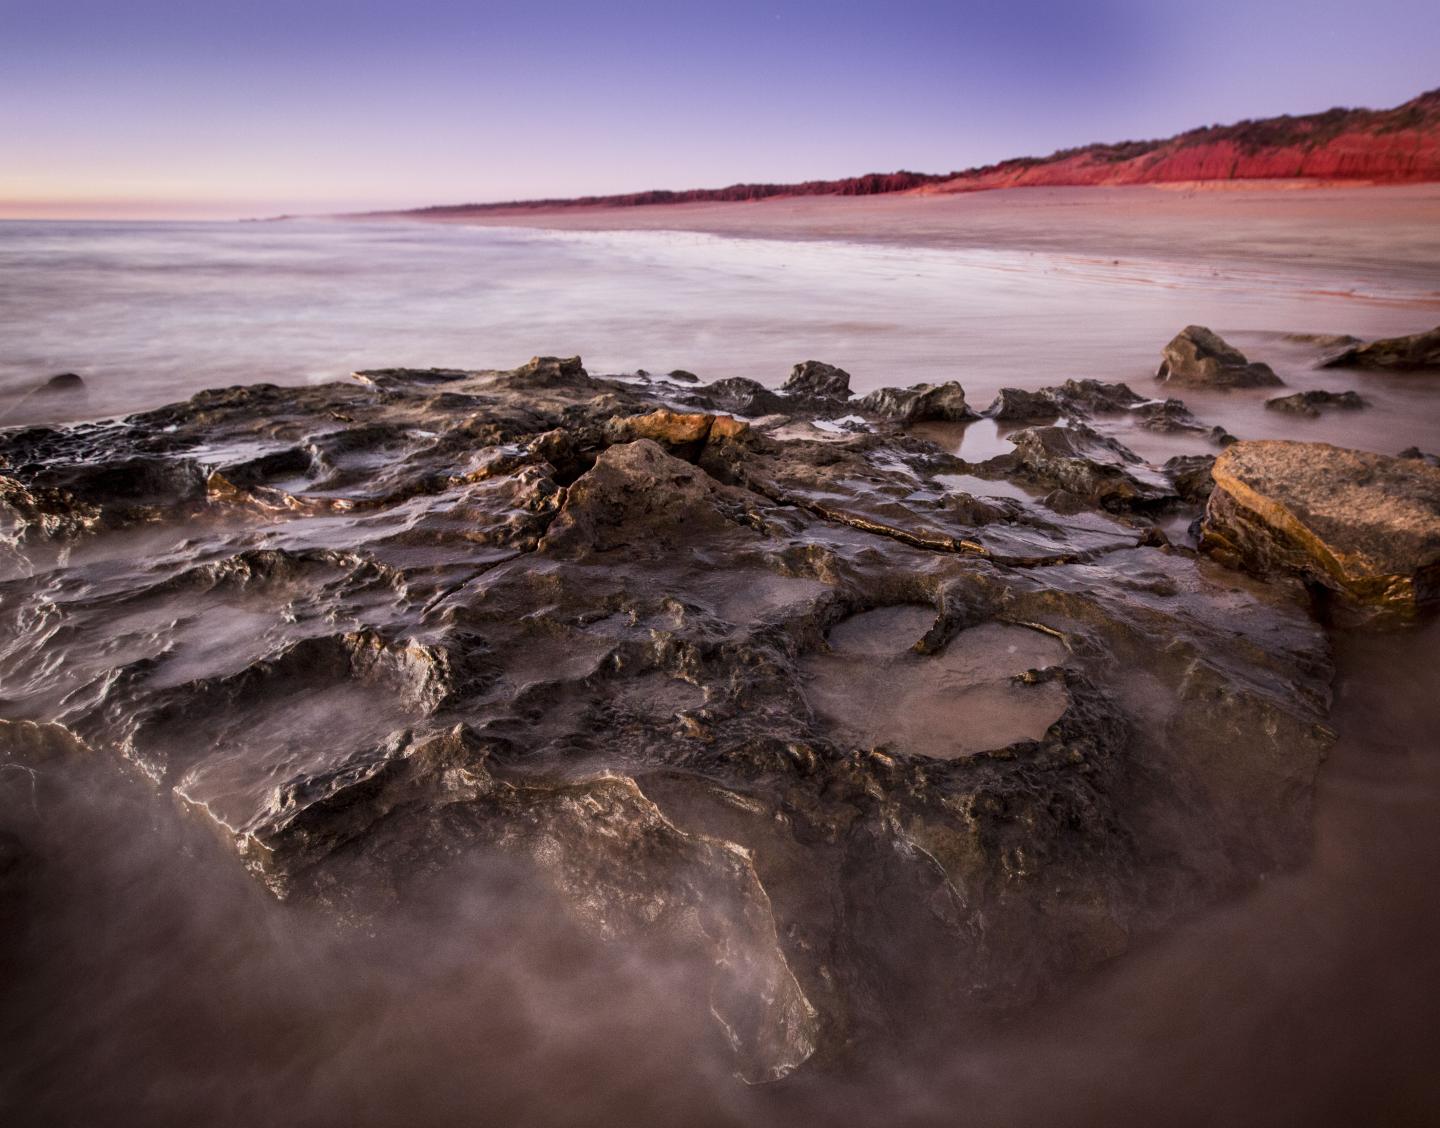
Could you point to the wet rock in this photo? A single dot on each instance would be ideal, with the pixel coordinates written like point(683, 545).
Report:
point(1362, 526)
point(1017, 405)
point(609, 634)
point(921, 403)
point(1311, 403)
point(1197, 357)
point(1221, 437)
point(1095, 396)
point(1089, 465)
point(740, 396)
point(1167, 416)
point(550, 372)
point(1397, 354)
point(601, 843)
point(684, 432)
point(1078, 398)
point(680, 376)
point(61, 384)
point(638, 485)
point(1191, 474)
point(814, 379)
point(1323, 340)
point(1416, 452)
point(1081, 399)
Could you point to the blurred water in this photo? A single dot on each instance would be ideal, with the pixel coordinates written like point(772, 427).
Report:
point(151, 312)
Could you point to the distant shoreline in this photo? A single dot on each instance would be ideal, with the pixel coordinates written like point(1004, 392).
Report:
point(1319, 225)
point(1338, 146)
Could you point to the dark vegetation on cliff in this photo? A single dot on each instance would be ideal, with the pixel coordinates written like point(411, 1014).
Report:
point(1399, 145)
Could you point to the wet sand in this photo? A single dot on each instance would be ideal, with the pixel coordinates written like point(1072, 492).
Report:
point(1383, 233)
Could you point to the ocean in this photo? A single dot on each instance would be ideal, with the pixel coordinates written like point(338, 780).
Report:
point(152, 312)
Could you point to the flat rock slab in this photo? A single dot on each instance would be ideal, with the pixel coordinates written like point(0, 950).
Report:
point(1417, 352)
point(1365, 526)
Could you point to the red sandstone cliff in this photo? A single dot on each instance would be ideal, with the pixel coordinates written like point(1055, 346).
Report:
point(1380, 146)
point(1367, 146)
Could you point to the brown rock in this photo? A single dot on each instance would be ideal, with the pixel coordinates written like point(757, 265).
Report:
point(920, 403)
point(1200, 358)
point(1365, 526)
point(675, 428)
point(1399, 354)
point(1313, 402)
point(817, 380)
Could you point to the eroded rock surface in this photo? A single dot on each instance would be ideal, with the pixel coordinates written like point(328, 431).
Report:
point(1083, 399)
point(818, 380)
point(923, 403)
point(875, 748)
point(1399, 354)
point(1198, 357)
point(1364, 526)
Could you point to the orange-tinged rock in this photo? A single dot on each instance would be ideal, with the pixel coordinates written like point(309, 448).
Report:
point(676, 428)
point(1365, 526)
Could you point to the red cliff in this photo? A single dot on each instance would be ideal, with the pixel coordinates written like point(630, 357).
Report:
point(1375, 146)
point(1364, 146)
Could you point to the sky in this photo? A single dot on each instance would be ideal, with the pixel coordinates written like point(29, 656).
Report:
point(219, 108)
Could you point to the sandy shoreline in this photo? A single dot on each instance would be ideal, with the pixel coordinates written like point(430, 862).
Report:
point(1325, 227)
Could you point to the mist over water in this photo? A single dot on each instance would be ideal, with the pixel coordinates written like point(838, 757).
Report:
point(138, 957)
point(152, 312)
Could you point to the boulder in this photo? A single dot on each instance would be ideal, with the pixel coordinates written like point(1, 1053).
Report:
point(1397, 354)
point(1018, 405)
point(1199, 358)
point(550, 372)
point(1363, 526)
point(1167, 415)
point(741, 396)
point(1191, 475)
point(920, 403)
point(1093, 467)
point(814, 379)
point(676, 429)
point(1095, 396)
point(1313, 402)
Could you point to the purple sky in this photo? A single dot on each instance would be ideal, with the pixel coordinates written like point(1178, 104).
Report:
point(220, 107)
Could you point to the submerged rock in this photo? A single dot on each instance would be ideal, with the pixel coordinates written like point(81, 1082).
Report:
point(1313, 402)
point(1362, 526)
point(1197, 357)
point(1082, 399)
point(1323, 340)
point(1399, 354)
point(62, 383)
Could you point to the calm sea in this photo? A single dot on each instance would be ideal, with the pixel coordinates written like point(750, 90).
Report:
point(152, 312)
